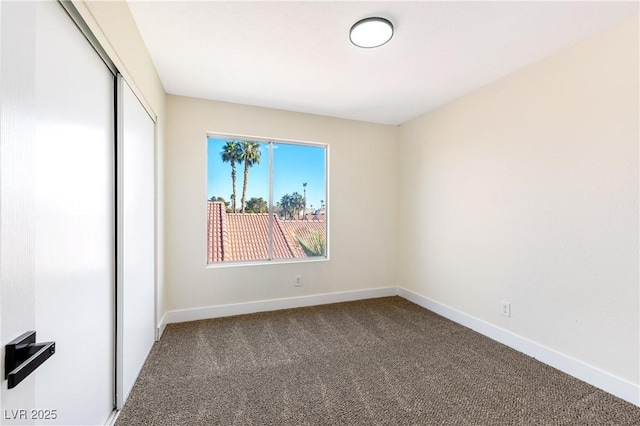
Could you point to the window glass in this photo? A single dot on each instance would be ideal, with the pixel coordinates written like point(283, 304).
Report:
point(265, 200)
point(299, 196)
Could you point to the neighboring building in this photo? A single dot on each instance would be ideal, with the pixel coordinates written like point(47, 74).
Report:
point(245, 236)
point(315, 215)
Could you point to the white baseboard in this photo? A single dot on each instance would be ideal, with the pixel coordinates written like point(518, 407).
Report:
point(160, 327)
point(185, 315)
point(113, 417)
point(578, 369)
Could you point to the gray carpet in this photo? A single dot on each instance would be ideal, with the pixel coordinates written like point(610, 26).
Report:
point(376, 362)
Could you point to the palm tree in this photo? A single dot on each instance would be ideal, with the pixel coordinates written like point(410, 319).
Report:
point(322, 204)
point(285, 203)
point(291, 205)
point(251, 156)
point(304, 198)
point(232, 153)
point(297, 203)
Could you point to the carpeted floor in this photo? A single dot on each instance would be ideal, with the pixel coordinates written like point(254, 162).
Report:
point(375, 362)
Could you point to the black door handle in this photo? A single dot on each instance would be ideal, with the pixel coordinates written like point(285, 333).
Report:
point(23, 355)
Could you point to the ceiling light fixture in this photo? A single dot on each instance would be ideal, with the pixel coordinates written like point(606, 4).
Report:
point(371, 32)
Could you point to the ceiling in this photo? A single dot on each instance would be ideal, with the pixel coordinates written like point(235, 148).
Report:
point(297, 56)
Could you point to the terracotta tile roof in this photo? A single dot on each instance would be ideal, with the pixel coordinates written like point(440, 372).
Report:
point(216, 231)
point(245, 236)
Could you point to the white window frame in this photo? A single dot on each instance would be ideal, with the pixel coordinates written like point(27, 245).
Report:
point(270, 141)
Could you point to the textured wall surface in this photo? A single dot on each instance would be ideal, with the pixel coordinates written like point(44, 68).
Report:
point(362, 212)
point(527, 191)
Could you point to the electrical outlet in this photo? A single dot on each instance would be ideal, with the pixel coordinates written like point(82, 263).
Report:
point(297, 281)
point(506, 309)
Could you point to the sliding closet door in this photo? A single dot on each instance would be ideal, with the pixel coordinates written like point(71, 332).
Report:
point(136, 230)
point(57, 216)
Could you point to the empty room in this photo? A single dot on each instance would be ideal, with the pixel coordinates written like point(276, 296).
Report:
point(319, 213)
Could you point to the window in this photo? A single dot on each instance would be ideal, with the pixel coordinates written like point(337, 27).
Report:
point(266, 200)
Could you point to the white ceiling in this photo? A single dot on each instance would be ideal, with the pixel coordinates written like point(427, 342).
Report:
point(297, 55)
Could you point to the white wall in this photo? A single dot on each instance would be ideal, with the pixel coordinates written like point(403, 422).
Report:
point(362, 171)
point(527, 191)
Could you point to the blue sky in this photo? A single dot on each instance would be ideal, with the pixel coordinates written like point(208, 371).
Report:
point(292, 165)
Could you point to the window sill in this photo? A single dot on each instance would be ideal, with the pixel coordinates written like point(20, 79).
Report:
point(266, 262)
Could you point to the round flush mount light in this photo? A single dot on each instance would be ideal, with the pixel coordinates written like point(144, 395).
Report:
point(371, 32)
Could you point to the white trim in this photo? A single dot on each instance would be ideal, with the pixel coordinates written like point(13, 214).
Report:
point(161, 326)
point(243, 263)
point(263, 139)
point(601, 379)
point(218, 311)
point(157, 261)
point(105, 44)
point(111, 420)
point(271, 202)
point(119, 265)
point(594, 376)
